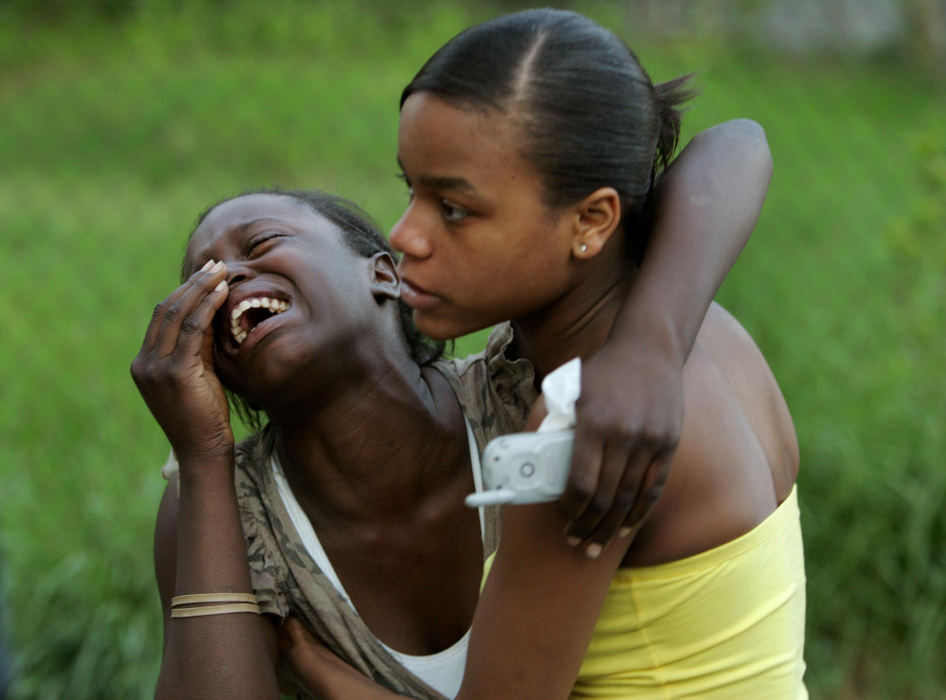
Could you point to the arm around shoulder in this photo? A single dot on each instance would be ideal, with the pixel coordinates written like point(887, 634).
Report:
point(630, 413)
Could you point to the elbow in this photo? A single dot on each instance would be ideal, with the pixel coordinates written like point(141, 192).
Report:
point(744, 139)
point(748, 138)
point(760, 155)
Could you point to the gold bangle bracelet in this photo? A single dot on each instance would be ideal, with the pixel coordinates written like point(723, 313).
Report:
point(215, 610)
point(192, 598)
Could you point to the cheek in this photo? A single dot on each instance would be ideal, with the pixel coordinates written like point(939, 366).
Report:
point(524, 243)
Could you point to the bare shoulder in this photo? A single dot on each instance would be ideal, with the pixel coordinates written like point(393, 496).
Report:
point(737, 457)
point(755, 388)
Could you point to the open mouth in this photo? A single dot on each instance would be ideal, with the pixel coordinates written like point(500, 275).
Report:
point(251, 312)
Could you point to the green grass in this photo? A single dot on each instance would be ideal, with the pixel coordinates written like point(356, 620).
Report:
point(115, 136)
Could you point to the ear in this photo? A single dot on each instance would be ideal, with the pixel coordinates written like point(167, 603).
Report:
point(385, 282)
point(597, 218)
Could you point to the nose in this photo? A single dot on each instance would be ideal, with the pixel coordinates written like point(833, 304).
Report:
point(409, 237)
point(237, 272)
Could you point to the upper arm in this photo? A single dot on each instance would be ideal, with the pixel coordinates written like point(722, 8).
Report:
point(537, 610)
point(722, 176)
point(165, 550)
point(699, 219)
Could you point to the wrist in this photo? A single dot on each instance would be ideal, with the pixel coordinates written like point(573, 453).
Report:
point(640, 329)
point(210, 448)
point(206, 467)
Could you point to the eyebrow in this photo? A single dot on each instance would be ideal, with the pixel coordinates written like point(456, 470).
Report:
point(263, 219)
point(447, 183)
point(444, 182)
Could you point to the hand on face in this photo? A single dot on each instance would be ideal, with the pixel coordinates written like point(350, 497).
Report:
point(174, 368)
point(624, 442)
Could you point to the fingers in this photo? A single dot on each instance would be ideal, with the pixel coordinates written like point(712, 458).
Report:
point(614, 498)
point(651, 487)
point(602, 500)
point(203, 293)
point(197, 329)
point(582, 478)
point(157, 315)
point(187, 312)
point(626, 497)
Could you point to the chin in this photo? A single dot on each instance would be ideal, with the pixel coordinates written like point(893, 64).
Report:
point(438, 327)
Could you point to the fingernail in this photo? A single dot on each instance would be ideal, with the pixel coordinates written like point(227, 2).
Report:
point(573, 541)
point(593, 550)
point(624, 532)
point(207, 266)
point(218, 266)
point(221, 285)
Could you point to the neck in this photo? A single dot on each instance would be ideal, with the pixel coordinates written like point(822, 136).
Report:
point(384, 435)
point(578, 323)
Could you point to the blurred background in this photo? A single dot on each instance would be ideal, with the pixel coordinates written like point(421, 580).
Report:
point(120, 120)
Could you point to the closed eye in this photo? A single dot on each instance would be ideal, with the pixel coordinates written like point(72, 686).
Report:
point(260, 244)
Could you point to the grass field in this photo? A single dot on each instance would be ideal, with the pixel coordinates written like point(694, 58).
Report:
point(115, 135)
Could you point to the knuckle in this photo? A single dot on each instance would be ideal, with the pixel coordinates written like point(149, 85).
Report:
point(671, 438)
point(660, 475)
point(139, 369)
point(190, 326)
point(172, 312)
point(599, 503)
point(652, 495)
point(652, 435)
point(581, 488)
point(625, 498)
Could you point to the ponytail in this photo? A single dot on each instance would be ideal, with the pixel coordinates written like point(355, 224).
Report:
point(670, 95)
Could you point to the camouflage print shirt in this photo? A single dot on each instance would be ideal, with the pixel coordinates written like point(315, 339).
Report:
point(495, 393)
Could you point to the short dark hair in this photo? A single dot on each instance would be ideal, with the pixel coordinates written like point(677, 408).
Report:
point(364, 237)
point(589, 114)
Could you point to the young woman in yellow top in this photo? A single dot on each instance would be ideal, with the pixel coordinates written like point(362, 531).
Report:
point(530, 145)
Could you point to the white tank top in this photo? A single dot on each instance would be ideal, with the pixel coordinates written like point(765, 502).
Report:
point(442, 671)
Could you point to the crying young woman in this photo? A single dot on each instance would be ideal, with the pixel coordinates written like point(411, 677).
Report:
point(345, 513)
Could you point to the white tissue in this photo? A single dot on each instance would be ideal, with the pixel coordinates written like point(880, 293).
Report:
point(561, 389)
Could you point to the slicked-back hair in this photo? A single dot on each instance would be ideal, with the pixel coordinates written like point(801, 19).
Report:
point(587, 111)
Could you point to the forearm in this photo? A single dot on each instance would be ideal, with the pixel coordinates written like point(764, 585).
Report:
point(705, 207)
point(528, 641)
point(228, 655)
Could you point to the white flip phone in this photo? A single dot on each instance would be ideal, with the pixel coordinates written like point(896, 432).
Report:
point(525, 468)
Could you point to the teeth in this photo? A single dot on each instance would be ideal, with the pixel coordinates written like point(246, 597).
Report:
point(236, 329)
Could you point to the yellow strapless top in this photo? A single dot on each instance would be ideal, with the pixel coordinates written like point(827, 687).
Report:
point(727, 623)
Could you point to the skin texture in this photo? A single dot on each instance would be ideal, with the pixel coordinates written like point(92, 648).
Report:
point(477, 215)
point(372, 499)
point(371, 382)
point(737, 455)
